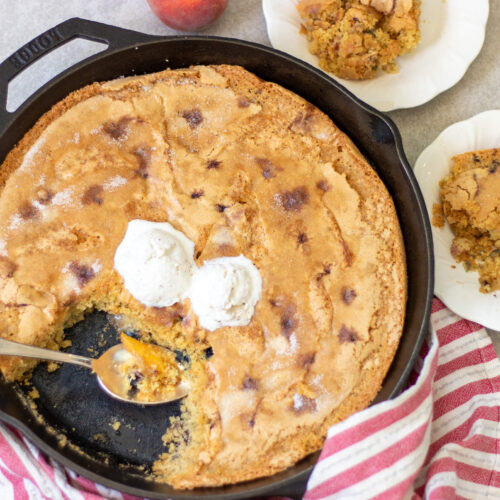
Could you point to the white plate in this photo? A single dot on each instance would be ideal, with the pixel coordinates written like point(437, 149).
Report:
point(457, 288)
point(452, 36)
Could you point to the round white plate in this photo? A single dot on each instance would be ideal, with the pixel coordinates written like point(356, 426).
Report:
point(452, 36)
point(457, 288)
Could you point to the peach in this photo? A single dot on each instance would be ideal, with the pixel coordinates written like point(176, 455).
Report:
point(188, 15)
point(153, 356)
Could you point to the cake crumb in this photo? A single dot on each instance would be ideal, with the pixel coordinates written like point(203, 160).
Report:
point(34, 394)
point(100, 437)
point(116, 425)
point(437, 215)
point(52, 366)
point(62, 440)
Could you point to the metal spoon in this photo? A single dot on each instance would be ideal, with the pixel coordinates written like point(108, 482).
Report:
point(106, 367)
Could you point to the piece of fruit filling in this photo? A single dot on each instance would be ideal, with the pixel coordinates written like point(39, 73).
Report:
point(152, 371)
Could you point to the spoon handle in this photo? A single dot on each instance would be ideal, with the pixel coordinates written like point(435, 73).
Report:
point(9, 348)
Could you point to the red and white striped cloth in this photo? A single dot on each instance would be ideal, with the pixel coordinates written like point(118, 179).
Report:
point(440, 439)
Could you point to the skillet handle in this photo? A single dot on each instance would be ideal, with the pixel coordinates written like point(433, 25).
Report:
point(113, 36)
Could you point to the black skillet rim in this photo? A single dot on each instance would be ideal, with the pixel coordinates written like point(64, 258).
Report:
point(81, 28)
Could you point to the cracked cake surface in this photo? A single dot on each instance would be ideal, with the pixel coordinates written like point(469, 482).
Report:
point(241, 167)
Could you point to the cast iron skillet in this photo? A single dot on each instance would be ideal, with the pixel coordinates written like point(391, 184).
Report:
point(70, 400)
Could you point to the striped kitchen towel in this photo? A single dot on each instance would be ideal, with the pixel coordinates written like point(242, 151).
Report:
point(440, 439)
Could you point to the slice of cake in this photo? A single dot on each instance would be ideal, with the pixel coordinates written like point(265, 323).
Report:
point(470, 198)
point(355, 39)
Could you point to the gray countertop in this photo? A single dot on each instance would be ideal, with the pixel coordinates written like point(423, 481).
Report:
point(20, 21)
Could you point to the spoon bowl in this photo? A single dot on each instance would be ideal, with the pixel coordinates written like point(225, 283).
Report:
point(110, 375)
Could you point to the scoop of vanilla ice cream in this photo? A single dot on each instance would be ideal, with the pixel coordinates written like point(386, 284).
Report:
point(156, 262)
point(224, 292)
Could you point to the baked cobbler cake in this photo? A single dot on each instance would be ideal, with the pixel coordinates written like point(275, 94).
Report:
point(470, 202)
point(356, 39)
point(244, 169)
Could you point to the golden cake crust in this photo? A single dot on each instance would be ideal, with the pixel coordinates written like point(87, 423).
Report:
point(241, 166)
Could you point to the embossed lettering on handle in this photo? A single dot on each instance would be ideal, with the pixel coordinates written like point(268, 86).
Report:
point(116, 39)
point(44, 42)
